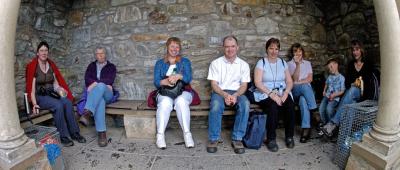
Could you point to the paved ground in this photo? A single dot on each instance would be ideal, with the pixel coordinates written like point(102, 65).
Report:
point(123, 153)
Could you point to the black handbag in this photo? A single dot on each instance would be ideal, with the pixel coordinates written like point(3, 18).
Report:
point(172, 92)
point(48, 92)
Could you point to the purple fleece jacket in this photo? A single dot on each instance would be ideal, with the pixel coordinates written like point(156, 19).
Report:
point(107, 74)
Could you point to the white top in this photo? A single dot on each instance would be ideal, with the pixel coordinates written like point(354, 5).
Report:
point(305, 68)
point(228, 75)
point(273, 76)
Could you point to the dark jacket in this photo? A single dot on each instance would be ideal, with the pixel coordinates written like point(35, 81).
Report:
point(107, 74)
point(365, 73)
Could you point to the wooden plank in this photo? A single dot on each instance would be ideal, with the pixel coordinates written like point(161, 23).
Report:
point(37, 120)
point(139, 107)
point(125, 104)
point(153, 112)
point(204, 105)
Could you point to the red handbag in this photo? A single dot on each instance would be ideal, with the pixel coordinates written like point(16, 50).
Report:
point(151, 98)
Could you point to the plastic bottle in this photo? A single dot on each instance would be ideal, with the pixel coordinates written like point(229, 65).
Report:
point(280, 89)
point(174, 71)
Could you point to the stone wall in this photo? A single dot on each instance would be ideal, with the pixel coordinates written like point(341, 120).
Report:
point(349, 20)
point(134, 33)
point(41, 20)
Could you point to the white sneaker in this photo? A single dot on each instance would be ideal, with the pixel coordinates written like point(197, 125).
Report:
point(161, 141)
point(187, 137)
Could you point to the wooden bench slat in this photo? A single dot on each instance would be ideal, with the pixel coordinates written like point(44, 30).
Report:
point(139, 107)
point(125, 104)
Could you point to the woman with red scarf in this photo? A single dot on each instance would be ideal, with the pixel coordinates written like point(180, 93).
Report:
point(47, 89)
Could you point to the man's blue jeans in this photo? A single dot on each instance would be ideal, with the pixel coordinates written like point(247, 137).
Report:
point(352, 95)
point(217, 107)
point(96, 102)
point(303, 94)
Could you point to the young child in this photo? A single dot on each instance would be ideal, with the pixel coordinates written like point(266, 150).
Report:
point(333, 89)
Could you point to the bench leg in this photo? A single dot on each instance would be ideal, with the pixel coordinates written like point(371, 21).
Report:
point(140, 126)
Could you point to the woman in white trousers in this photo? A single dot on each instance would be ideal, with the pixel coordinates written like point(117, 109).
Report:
point(167, 72)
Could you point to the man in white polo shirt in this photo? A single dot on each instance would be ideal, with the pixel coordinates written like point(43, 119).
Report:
point(229, 76)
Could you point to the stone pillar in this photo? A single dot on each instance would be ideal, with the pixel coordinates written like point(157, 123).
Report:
point(16, 150)
point(381, 148)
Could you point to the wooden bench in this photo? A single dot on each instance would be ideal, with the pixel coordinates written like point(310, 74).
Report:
point(140, 120)
point(41, 117)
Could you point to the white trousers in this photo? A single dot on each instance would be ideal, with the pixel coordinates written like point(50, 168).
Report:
point(180, 105)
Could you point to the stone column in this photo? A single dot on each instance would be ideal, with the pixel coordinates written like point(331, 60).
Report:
point(386, 127)
point(381, 148)
point(16, 150)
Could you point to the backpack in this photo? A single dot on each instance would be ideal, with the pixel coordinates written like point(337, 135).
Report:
point(255, 131)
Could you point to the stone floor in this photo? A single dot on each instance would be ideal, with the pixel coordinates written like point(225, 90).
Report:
point(123, 153)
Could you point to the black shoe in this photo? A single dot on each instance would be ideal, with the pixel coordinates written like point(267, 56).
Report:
point(238, 146)
point(319, 126)
point(78, 138)
point(272, 146)
point(305, 135)
point(289, 142)
point(212, 146)
point(66, 142)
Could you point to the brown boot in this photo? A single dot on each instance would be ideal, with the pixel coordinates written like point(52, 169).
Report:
point(102, 139)
point(84, 119)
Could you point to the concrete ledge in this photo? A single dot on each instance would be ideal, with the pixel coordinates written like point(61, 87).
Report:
point(140, 126)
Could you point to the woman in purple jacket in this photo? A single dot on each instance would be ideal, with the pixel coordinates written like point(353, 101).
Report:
point(99, 79)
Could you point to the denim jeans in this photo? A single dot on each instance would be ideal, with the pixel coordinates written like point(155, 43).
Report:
point(217, 107)
point(352, 95)
point(63, 114)
point(96, 102)
point(327, 109)
point(303, 94)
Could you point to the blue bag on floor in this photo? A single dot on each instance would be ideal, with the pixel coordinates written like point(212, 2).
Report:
point(255, 131)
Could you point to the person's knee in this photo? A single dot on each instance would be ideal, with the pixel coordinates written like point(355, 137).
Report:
point(59, 106)
point(180, 101)
point(101, 86)
point(243, 102)
point(216, 106)
point(165, 104)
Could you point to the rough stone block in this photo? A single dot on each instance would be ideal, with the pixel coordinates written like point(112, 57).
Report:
point(140, 126)
point(201, 7)
point(76, 18)
point(127, 14)
point(121, 2)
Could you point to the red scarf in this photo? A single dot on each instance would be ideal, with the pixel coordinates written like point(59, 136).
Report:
point(30, 74)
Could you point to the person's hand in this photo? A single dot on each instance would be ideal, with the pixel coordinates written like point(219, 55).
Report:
point(296, 59)
point(332, 97)
point(233, 99)
point(276, 99)
point(35, 109)
point(284, 97)
point(323, 93)
point(91, 86)
point(174, 78)
point(62, 92)
point(230, 100)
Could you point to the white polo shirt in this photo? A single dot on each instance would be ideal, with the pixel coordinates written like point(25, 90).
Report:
point(305, 68)
point(228, 75)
